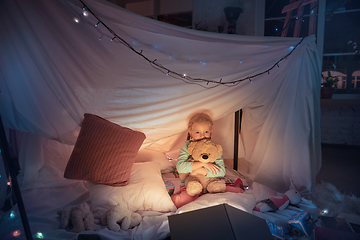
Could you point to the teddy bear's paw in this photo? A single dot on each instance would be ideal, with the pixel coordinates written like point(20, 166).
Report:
point(125, 224)
point(114, 226)
point(216, 187)
point(193, 188)
point(135, 220)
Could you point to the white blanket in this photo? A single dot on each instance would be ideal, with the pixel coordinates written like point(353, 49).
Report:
point(43, 203)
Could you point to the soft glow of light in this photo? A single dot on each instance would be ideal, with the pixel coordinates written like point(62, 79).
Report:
point(12, 214)
point(85, 13)
point(184, 75)
point(8, 183)
point(276, 29)
point(39, 235)
point(204, 63)
point(324, 212)
point(16, 233)
point(240, 61)
point(97, 24)
point(292, 47)
point(76, 20)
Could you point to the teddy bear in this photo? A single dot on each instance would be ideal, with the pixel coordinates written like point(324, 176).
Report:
point(204, 151)
point(79, 216)
point(273, 204)
point(120, 217)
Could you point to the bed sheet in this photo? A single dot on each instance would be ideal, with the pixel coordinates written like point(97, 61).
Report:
point(42, 204)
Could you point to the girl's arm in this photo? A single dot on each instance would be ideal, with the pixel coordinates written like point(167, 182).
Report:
point(182, 165)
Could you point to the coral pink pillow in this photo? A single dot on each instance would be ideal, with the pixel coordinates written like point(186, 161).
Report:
point(104, 152)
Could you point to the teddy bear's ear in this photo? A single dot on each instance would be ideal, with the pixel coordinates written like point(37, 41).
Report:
point(219, 149)
point(191, 147)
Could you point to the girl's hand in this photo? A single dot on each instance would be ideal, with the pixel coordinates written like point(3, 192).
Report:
point(212, 168)
point(201, 171)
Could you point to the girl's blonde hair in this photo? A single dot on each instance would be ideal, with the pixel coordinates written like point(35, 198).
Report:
point(199, 117)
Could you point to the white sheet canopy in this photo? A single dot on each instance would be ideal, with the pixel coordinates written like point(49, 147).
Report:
point(53, 70)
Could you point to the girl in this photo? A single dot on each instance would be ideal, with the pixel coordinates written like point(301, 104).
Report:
point(200, 126)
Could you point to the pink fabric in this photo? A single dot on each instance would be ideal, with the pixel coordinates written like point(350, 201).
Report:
point(104, 152)
point(183, 197)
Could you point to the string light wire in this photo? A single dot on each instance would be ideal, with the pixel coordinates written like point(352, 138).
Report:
point(184, 77)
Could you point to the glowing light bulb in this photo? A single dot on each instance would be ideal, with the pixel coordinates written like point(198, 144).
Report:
point(16, 233)
point(76, 20)
point(12, 214)
point(85, 13)
point(324, 212)
point(39, 235)
point(184, 75)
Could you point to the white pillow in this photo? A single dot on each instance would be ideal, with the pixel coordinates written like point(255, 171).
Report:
point(146, 155)
point(145, 191)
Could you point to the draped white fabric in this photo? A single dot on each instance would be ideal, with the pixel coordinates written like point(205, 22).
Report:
point(53, 70)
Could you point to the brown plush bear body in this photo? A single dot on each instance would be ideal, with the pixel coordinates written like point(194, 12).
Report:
point(203, 151)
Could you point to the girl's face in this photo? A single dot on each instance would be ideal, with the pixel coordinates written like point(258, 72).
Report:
point(200, 130)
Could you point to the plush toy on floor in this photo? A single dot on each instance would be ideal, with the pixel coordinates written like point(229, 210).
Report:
point(203, 151)
point(120, 215)
point(80, 217)
point(278, 202)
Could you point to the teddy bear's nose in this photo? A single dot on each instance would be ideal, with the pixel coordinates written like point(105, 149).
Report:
point(205, 156)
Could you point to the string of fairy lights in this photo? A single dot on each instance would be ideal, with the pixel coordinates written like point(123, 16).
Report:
point(206, 83)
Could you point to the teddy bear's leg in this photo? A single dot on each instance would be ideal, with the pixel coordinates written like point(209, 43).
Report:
point(125, 224)
point(216, 186)
point(89, 222)
point(65, 216)
point(135, 220)
point(193, 185)
point(194, 188)
point(77, 221)
point(112, 218)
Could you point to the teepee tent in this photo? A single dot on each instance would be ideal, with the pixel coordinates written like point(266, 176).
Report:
point(57, 64)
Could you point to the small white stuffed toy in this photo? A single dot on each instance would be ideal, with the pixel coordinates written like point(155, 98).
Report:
point(80, 216)
point(279, 202)
point(119, 214)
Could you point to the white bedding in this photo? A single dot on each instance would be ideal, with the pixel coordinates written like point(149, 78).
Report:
point(42, 204)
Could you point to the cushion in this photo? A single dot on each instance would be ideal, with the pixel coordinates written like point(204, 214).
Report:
point(146, 191)
point(104, 152)
point(146, 155)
